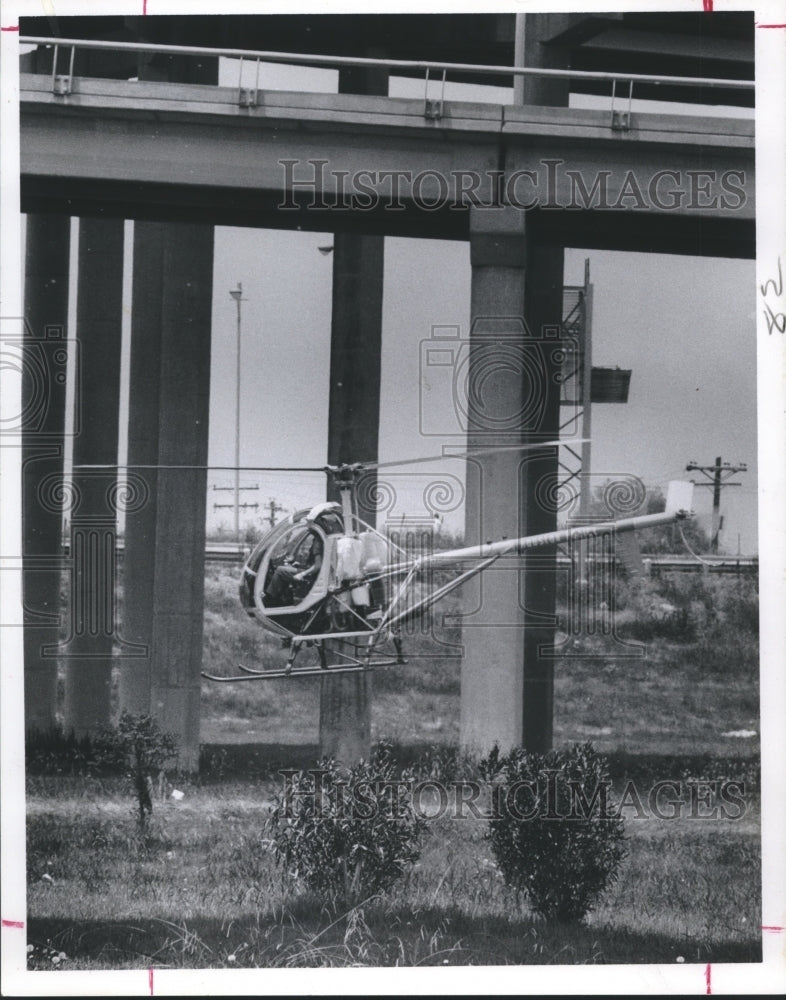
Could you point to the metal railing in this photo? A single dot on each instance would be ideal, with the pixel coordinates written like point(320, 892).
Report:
point(61, 85)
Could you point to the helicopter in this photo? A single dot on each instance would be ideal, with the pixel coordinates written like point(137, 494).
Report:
point(326, 580)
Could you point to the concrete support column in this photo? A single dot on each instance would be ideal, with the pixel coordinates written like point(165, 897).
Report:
point(356, 330)
point(353, 426)
point(355, 359)
point(353, 435)
point(93, 522)
point(541, 475)
point(533, 47)
point(345, 717)
point(168, 426)
point(44, 389)
point(497, 394)
point(513, 391)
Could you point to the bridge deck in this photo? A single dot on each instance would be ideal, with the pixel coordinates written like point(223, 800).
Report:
point(182, 151)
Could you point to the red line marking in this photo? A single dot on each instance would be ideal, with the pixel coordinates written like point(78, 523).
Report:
point(773, 928)
point(770, 25)
point(150, 979)
point(14, 923)
point(707, 6)
point(11, 27)
point(144, 7)
point(708, 978)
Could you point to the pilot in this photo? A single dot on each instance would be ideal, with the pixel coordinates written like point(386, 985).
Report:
point(290, 584)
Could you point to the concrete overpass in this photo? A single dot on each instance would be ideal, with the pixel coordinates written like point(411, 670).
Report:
point(671, 183)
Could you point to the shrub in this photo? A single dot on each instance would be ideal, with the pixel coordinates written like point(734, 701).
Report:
point(52, 751)
point(141, 751)
point(347, 834)
point(548, 844)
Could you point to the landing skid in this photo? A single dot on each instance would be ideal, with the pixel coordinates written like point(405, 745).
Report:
point(269, 675)
point(361, 658)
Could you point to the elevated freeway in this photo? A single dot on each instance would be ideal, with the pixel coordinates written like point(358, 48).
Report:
point(400, 167)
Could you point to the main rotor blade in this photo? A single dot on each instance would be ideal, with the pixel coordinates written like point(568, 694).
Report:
point(207, 468)
point(329, 468)
point(530, 446)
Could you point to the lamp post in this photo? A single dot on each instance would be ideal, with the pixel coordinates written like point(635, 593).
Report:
point(237, 295)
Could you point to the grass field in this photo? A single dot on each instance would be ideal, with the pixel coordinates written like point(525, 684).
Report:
point(201, 887)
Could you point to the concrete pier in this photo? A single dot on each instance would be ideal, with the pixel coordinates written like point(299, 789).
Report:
point(353, 426)
point(168, 426)
point(44, 393)
point(88, 652)
point(493, 637)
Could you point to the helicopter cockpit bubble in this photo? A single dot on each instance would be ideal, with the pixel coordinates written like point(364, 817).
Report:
point(293, 565)
point(328, 517)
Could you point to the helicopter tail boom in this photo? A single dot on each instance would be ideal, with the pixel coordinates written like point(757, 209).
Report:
point(678, 507)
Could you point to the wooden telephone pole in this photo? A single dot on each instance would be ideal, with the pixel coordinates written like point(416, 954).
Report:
point(717, 477)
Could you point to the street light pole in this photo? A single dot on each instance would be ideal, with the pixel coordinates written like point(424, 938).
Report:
point(237, 295)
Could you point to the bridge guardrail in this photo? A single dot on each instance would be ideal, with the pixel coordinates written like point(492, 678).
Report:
point(432, 108)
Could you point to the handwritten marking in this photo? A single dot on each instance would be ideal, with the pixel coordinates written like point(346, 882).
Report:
point(775, 320)
point(11, 27)
point(14, 923)
point(708, 977)
point(773, 928)
point(777, 285)
point(150, 979)
point(707, 6)
point(770, 25)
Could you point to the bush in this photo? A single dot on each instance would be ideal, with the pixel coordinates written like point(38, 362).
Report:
point(548, 844)
point(347, 834)
point(51, 751)
point(139, 749)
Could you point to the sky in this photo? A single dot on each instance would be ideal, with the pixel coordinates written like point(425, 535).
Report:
point(685, 326)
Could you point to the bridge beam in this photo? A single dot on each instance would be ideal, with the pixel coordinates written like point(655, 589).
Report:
point(671, 183)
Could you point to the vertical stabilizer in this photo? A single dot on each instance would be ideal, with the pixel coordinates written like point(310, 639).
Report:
point(679, 497)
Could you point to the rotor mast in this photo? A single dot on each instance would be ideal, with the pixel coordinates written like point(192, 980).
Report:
point(345, 479)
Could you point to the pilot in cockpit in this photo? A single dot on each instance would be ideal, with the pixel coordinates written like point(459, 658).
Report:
point(293, 577)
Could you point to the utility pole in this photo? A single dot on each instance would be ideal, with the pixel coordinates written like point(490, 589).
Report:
point(237, 295)
point(236, 489)
point(274, 509)
point(717, 478)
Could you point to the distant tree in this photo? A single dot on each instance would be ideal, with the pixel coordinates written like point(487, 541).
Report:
point(664, 539)
point(252, 533)
point(218, 534)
